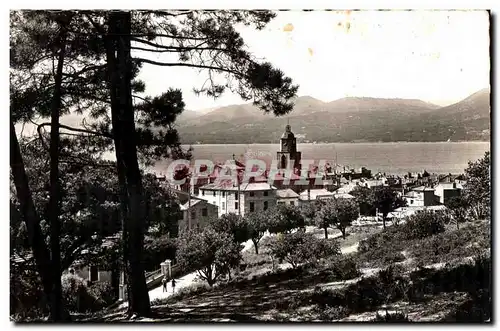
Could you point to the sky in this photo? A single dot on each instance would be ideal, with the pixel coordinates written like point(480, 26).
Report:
point(437, 56)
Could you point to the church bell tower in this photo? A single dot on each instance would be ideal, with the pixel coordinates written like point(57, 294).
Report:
point(288, 157)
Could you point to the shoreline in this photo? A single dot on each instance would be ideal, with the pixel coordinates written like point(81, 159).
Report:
point(347, 143)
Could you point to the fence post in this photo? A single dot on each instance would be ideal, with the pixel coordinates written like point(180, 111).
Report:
point(122, 293)
point(168, 267)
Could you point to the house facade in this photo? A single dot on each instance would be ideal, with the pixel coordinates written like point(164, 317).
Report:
point(445, 191)
point(196, 214)
point(249, 197)
point(420, 196)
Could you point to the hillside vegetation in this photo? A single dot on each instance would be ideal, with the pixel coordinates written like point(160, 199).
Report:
point(345, 120)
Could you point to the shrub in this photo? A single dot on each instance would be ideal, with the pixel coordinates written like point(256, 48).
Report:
point(476, 309)
point(344, 268)
point(446, 246)
point(79, 297)
point(393, 257)
point(424, 224)
point(299, 247)
point(27, 300)
point(396, 317)
point(333, 313)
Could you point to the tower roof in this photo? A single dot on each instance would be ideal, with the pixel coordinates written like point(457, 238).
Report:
point(288, 132)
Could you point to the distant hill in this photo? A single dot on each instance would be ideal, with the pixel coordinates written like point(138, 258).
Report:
point(351, 119)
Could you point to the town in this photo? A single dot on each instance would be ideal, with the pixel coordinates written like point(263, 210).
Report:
point(363, 193)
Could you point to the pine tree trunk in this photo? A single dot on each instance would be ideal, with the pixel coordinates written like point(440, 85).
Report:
point(29, 214)
point(58, 312)
point(125, 141)
point(113, 80)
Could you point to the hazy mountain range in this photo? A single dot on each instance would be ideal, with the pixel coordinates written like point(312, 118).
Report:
point(350, 119)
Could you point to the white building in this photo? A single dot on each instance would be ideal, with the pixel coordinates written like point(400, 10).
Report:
point(445, 191)
point(402, 212)
point(420, 196)
point(287, 196)
point(252, 197)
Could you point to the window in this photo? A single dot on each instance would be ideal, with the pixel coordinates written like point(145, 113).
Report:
point(223, 194)
point(280, 202)
point(265, 205)
point(252, 206)
point(252, 194)
point(236, 196)
point(193, 215)
point(236, 205)
point(196, 191)
point(411, 202)
point(94, 273)
point(292, 203)
point(204, 212)
point(266, 193)
point(203, 192)
point(223, 205)
point(214, 193)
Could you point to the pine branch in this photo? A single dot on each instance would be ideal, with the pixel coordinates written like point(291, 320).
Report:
point(178, 64)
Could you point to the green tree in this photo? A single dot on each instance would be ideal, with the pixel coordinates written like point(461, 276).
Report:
point(338, 213)
point(232, 224)
point(386, 200)
point(285, 218)
point(300, 247)
point(366, 200)
point(99, 76)
point(477, 190)
point(210, 253)
point(257, 225)
point(458, 207)
point(309, 211)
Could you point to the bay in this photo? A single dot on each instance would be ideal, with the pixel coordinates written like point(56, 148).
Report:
point(395, 158)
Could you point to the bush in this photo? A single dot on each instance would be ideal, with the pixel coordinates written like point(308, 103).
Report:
point(27, 300)
point(333, 313)
point(344, 268)
point(450, 245)
point(393, 257)
point(425, 224)
point(396, 317)
point(299, 247)
point(79, 297)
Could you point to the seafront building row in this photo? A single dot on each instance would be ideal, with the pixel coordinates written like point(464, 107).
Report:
point(205, 197)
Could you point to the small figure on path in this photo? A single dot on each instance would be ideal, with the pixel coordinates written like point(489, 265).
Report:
point(164, 282)
point(173, 285)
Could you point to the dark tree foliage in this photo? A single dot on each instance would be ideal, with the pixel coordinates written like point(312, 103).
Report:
point(458, 207)
point(285, 218)
point(477, 190)
point(232, 224)
point(300, 247)
point(365, 198)
point(96, 78)
point(386, 200)
point(257, 224)
point(211, 253)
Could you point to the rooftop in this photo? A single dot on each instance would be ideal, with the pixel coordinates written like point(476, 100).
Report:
point(228, 185)
point(316, 193)
point(286, 193)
